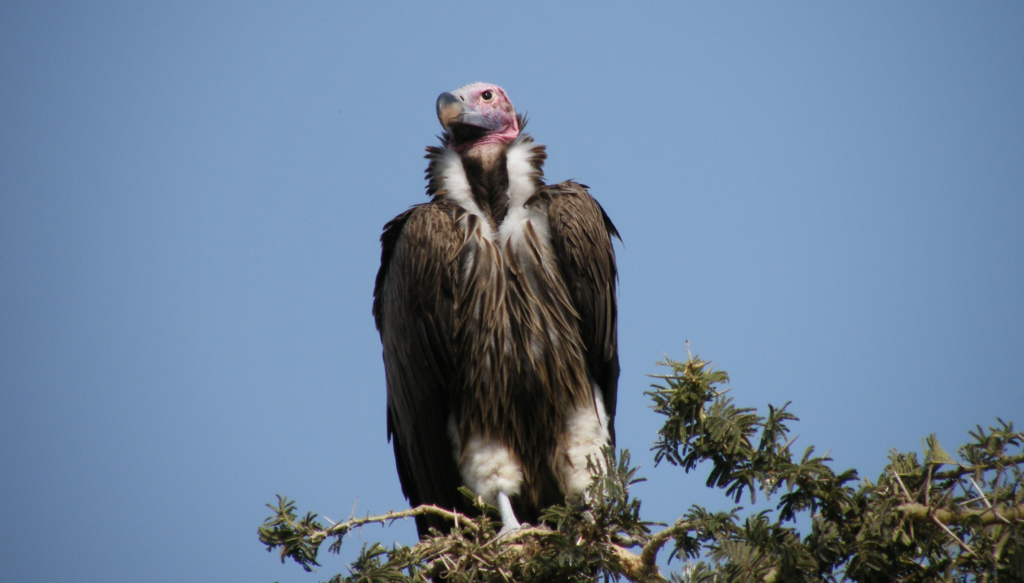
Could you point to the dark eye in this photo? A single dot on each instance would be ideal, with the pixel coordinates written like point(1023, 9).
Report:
point(487, 95)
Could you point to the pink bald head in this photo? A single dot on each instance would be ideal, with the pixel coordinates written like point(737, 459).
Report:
point(476, 115)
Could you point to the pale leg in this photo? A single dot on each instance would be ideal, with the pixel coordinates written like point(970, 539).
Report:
point(508, 518)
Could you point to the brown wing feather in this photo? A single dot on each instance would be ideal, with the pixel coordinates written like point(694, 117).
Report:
point(581, 235)
point(413, 309)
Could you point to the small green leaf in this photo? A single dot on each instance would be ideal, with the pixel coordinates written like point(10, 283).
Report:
point(934, 454)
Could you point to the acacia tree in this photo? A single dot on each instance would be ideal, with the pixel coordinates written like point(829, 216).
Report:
point(936, 519)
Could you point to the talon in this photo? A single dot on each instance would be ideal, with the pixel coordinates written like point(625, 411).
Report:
point(508, 529)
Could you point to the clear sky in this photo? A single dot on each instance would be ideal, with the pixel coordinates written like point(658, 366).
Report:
point(825, 199)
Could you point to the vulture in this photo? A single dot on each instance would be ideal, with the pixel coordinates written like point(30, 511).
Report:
point(496, 308)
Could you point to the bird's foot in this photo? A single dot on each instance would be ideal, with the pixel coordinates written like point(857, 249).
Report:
point(508, 518)
point(508, 529)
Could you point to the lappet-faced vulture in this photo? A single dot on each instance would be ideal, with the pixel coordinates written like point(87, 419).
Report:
point(495, 303)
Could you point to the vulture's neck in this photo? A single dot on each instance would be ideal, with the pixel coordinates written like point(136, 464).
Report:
point(488, 179)
point(486, 170)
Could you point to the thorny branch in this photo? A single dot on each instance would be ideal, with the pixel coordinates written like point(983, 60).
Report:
point(980, 517)
point(916, 523)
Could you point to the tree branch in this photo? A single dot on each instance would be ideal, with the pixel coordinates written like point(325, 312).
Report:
point(344, 527)
point(983, 517)
point(636, 568)
point(1007, 461)
point(649, 554)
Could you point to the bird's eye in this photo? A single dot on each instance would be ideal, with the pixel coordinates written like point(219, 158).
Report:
point(486, 95)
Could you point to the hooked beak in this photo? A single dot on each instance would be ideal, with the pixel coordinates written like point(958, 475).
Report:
point(452, 111)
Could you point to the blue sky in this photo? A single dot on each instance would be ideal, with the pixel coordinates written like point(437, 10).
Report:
point(825, 199)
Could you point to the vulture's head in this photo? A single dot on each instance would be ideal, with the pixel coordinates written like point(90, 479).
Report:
point(478, 114)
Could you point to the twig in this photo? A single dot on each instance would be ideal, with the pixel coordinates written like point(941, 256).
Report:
point(904, 488)
point(1012, 460)
point(950, 533)
point(978, 488)
point(343, 527)
point(928, 485)
point(984, 517)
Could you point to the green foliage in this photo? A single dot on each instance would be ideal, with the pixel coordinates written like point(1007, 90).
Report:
point(915, 524)
point(294, 536)
point(939, 519)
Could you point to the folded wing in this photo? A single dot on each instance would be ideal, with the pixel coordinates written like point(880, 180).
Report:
point(581, 235)
point(413, 309)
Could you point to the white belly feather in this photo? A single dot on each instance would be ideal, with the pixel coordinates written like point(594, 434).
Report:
point(486, 466)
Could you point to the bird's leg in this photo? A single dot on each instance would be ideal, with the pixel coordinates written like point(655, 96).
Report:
point(508, 518)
